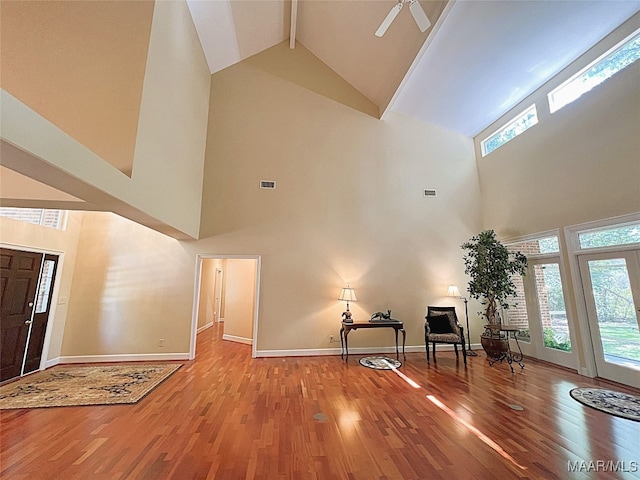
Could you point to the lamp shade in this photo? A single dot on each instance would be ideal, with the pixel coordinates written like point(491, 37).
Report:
point(348, 295)
point(453, 291)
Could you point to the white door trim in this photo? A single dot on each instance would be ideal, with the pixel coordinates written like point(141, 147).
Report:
point(200, 257)
point(217, 294)
point(573, 250)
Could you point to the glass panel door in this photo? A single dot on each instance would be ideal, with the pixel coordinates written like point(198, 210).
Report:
point(538, 309)
point(551, 308)
point(549, 329)
point(611, 283)
point(517, 315)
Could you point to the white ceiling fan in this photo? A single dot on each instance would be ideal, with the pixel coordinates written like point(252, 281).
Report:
point(416, 10)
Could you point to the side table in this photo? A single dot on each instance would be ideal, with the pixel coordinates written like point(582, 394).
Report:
point(348, 326)
point(510, 356)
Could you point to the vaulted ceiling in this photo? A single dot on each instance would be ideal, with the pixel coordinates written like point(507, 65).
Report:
point(478, 59)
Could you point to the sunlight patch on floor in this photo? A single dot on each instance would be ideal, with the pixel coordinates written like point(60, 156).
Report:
point(475, 431)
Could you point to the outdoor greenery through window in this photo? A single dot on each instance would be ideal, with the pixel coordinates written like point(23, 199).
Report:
point(621, 56)
point(611, 286)
point(511, 130)
point(611, 236)
point(615, 309)
point(37, 216)
point(547, 286)
point(536, 246)
point(551, 306)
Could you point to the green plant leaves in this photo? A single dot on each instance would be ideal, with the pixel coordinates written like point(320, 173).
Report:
point(490, 267)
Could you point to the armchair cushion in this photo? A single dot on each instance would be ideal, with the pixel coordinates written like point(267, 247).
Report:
point(439, 324)
point(445, 338)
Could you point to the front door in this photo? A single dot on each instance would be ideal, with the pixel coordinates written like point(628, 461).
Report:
point(611, 283)
point(19, 273)
point(41, 314)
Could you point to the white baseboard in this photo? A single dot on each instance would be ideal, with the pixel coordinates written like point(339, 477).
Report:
point(158, 357)
point(204, 327)
point(352, 351)
point(144, 357)
point(298, 353)
point(233, 338)
point(51, 363)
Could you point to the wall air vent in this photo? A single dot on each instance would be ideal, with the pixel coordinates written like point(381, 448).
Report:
point(268, 184)
point(429, 192)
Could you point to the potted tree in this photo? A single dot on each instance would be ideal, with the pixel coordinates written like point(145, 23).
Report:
point(490, 267)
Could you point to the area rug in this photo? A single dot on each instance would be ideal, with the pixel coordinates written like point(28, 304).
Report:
point(64, 386)
point(619, 404)
point(380, 363)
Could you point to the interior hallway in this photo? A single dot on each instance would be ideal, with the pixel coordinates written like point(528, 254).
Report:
point(228, 416)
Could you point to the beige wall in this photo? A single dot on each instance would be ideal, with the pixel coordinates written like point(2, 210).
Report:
point(580, 164)
point(348, 207)
point(132, 287)
point(164, 191)
point(240, 291)
point(25, 236)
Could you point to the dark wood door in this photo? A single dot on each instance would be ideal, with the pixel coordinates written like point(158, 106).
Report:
point(19, 273)
point(41, 313)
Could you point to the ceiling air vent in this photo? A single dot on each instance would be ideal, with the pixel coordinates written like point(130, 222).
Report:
point(428, 192)
point(268, 184)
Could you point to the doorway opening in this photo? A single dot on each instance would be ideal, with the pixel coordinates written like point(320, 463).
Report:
point(227, 292)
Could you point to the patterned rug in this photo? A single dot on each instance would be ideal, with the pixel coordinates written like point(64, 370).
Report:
point(64, 386)
point(380, 363)
point(619, 404)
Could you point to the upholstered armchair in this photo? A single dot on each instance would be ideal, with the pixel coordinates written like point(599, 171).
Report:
point(441, 326)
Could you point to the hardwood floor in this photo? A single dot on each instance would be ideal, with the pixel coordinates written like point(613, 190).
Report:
point(226, 416)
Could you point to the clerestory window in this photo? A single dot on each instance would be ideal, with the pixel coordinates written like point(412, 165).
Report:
point(607, 65)
point(511, 130)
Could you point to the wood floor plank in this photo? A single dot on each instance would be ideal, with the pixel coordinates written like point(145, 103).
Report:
point(228, 416)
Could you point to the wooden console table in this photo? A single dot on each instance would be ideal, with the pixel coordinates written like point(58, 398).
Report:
point(348, 326)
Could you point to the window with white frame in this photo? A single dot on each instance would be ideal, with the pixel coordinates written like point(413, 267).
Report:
point(610, 236)
point(38, 216)
point(511, 130)
point(607, 65)
point(543, 285)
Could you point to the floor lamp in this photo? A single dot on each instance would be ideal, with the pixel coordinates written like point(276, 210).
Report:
point(454, 292)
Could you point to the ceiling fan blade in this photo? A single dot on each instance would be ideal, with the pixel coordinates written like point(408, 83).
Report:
point(388, 19)
point(419, 16)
